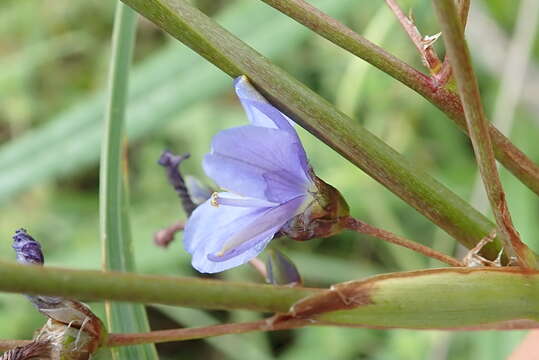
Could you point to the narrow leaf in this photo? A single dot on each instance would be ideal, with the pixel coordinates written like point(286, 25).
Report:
point(117, 252)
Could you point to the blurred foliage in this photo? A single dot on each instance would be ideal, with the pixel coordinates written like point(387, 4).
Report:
point(53, 65)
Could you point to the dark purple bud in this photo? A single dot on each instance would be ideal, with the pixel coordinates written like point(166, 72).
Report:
point(28, 250)
point(172, 163)
point(281, 270)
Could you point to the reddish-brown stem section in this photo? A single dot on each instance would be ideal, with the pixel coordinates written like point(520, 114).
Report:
point(165, 236)
point(478, 128)
point(364, 228)
point(203, 332)
point(428, 55)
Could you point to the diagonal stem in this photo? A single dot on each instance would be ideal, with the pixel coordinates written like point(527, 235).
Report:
point(427, 52)
point(364, 228)
point(512, 81)
point(477, 122)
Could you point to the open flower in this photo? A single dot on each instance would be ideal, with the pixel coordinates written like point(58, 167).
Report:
point(270, 189)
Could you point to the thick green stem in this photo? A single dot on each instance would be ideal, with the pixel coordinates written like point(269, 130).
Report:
point(128, 287)
point(446, 100)
point(452, 298)
point(478, 127)
point(315, 114)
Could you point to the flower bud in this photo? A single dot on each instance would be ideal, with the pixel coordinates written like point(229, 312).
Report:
point(27, 249)
point(72, 330)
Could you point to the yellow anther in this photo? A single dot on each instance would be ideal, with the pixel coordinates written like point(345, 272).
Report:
point(214, 199)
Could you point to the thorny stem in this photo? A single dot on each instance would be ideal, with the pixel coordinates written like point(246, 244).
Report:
point(361, 227)
point(427, 52)
point(172, 163)
point(203, 332)
point(478, 128)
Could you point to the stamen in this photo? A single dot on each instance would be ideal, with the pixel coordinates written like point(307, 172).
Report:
point(214, 200)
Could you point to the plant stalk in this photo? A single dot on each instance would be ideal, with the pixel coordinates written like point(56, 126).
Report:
point(364, 228)
point(478, 127)
point(202, 332)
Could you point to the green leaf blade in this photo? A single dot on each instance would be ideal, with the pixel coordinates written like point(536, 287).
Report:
point(116, 237)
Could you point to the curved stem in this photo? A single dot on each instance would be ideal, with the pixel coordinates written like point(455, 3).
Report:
point(165, 236)
point(361, 227)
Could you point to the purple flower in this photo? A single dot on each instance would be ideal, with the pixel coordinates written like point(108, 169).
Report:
point(265, 171)
point(270, 190)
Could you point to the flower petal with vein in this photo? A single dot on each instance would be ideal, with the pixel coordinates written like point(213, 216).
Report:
point(265, 171)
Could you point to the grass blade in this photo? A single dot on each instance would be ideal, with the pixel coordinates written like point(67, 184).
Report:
point(116, 241)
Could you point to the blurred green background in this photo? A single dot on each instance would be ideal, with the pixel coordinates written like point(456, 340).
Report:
point(53, 67)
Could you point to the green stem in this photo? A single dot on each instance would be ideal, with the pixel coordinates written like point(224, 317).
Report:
point(446, 100)
point(128, 287)
point(478, 127)
point(451, 298)
point(315, 114)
